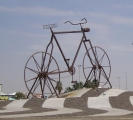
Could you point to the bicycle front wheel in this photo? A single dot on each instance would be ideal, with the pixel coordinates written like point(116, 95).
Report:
point(41, 75)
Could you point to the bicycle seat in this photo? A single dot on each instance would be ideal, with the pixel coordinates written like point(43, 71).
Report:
point(86, 29)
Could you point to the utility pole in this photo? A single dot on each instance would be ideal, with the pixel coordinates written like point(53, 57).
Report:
point(126, 80)
point(0, 88)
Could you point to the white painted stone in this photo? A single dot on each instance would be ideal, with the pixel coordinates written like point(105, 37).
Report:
point(17, 103)
point(111, 92)
point(131, 99)
point(54, 103)
point(59, 111)
point(98, 102)
point(114, 112)
point(76, 93)
point(102, 103)
point(15, 106)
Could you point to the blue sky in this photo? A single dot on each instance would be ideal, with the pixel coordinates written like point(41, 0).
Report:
point(22, 34)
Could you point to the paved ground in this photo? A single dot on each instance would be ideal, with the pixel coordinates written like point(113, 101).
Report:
point(85, 104)
point(72, 118)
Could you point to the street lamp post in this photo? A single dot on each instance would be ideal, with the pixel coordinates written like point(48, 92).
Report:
point(119, 81)
point(79, 74)
point(0, 87)
point(126, 80)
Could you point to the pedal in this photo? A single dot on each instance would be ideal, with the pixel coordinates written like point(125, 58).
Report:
point(67, 59)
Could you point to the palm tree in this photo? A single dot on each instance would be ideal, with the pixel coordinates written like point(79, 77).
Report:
point(59, 87)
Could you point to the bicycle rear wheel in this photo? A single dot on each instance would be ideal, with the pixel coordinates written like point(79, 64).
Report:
point(99, 70)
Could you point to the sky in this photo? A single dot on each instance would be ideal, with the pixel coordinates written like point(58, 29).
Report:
point(22, 34)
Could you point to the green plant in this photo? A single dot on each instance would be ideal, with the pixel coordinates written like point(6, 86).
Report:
point(75, 86)
point(68, 89)
point(19, 95)
point(91, 84)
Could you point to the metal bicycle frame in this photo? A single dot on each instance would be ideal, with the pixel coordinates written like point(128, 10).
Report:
point(83, 40)
point(53, 37)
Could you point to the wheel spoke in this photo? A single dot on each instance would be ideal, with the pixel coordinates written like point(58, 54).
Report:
point(35, 87)
point(42, 64)
point(52, 72)
point(31, 79)
point(87, 53)
point(47, 67)
point(37, 65)
point(44, 84)
point(99, 75)
point(32, 87)
point(102, 73)
point(93, 60)
point(106, 66)
point(49, 87)
point(107, 78)
point(53, 88)
point(52, 79)
point(96, 53)
point(41, 87)
point(87, 67)
point(101, 59)
point(32, 70)
point(89, 74)
point(94, 73)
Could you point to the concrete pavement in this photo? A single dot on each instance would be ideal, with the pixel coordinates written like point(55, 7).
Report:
point(100, 102)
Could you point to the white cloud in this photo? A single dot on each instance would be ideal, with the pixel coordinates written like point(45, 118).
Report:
point(99, 15)
point(37, 47)
point(122, 20)
point(101, 31)
point(123, 6)
point(43, 11)
point(114, 18)
point(27, 34)
point(121, 48)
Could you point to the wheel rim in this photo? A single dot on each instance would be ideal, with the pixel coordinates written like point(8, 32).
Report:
point(100, 71)
point(41, 74)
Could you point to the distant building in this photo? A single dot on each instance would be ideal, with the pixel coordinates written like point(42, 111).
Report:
point(40, 96)
point(4, 96)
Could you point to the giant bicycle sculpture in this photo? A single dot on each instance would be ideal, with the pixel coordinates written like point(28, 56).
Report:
point(42, 73)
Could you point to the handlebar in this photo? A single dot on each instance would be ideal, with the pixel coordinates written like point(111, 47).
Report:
point(77, 23)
